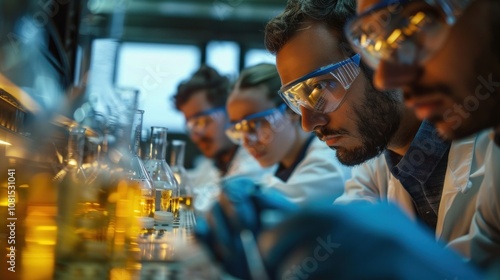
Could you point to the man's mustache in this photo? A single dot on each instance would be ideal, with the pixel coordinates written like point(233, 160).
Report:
point(205, 140)
point(323, 132)
point(422, 91)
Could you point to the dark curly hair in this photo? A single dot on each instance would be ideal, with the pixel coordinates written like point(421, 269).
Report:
point(262, 74)
point(208, 79)
point(333, 13)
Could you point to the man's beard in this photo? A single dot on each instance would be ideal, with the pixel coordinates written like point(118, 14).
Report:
point(378, 119)
point(204, 145)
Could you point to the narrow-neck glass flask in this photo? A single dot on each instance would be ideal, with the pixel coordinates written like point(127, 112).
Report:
point(73, 161)
point(165, 185)
point(70, 182)
point(177, 165)
point(81, 248)
point(137, 173)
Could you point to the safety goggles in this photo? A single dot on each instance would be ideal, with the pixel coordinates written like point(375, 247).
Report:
point(259, 127)
point(322, 90)
point(403, 31)
point(199, 122)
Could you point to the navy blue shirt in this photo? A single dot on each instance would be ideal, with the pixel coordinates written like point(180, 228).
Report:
point(422, 170)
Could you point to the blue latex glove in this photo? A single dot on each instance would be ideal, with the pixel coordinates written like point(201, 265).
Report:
point(242, 205)
point(357, 241)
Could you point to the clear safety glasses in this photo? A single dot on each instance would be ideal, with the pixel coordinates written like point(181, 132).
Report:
point(324, 89)
point(259, 127)
point(403, 31)
point(199, 122)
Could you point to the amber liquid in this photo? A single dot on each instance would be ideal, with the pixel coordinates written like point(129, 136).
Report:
point(91, 226)
point(185, 203)
point(147, 206)
point(175, 206)
point(93, 235)
point(163, 197)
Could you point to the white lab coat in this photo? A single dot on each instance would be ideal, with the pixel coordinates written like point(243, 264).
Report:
point(373, 181)
point(242, 164)
point(319, 177)
point(206, 178)
point(482, 245)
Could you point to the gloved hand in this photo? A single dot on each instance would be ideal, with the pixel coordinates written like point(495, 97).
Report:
point(357, 241)
point(242, 207)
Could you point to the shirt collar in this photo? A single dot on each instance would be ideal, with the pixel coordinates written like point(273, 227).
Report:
point(422, 157)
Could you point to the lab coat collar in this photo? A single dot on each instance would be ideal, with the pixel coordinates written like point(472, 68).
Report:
point(422, 157)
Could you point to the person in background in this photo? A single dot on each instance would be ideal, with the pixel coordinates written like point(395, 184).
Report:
point(202, 100)
point(448, 64)
point(261, 122)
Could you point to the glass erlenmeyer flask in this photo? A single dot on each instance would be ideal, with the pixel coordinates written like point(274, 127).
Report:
point(81, 243)
point(70, 181)
point(119, 195)
point(73, 163)
point(177, 165)
point(165, 185)
point(137, 173)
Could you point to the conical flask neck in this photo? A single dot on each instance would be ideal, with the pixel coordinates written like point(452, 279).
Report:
point(76, 143)
point(177, 155)
point(135, 133)
point(158, 142)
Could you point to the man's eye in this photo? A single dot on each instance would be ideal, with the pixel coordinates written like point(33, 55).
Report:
point(201, 122)
point(318, 88)
point(247, 126)
point(320, 85)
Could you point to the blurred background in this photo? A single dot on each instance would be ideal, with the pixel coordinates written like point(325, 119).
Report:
point(64, 57)
point(61, 62)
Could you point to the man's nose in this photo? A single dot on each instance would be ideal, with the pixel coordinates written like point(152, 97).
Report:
point(389, 75)
point(195, 135)
point(311, 119)
point(249, 139)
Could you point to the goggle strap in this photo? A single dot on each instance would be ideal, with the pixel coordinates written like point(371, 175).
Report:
point(277, 120)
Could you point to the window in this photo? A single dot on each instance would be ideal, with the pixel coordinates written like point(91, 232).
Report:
point(256, 56)
point(157, 69)
point(224, 57)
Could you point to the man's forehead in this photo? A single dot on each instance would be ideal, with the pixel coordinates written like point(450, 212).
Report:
point(196, 103)
point(312, 47)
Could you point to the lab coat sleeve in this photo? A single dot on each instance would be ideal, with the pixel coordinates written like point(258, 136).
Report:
point(203, 173)
point(369, 182)
point(318, 178)
point(485, 227)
